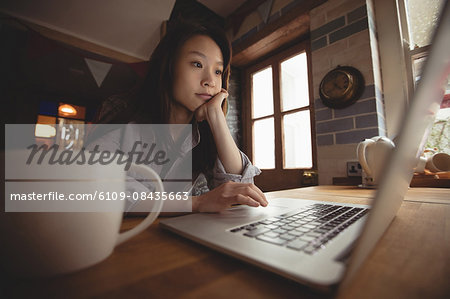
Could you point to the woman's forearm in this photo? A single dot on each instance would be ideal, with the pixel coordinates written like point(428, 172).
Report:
point(227, 150)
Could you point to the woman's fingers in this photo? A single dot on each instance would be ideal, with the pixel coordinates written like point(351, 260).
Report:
point(219, 97)
point(246, 200)
point(200, 113)
point(254, 193)
point(225, 92)
point(214, 103)
point(243, 193)
point(227, 194)
point(261, 194)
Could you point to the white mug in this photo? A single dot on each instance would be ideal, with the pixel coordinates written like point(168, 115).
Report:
point(372, 154)
point(36, 244)
point(438, 162)
point(421, 164)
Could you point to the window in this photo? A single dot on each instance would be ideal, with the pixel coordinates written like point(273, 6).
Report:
point(421, 18)
point(279, 119)
point(60, 123)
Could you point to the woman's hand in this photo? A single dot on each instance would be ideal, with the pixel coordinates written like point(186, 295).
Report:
point(227, 194)
point(214, 105)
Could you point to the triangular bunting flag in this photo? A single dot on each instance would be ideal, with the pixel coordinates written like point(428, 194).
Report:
point(264, 10)
point(98, 69)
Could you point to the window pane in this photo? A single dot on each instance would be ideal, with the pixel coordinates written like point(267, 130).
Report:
point(264, 143)
point(45, 126)
point(294, 83)
point(440, 132)
point(262, 93)
point(423, 16)
point(70, 133)
point(418, 65)
point(297, 140)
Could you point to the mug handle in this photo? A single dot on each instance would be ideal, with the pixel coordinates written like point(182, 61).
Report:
point(361, 150)
point(144, 171)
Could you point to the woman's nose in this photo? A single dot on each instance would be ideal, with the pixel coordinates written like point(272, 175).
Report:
point(208, 80)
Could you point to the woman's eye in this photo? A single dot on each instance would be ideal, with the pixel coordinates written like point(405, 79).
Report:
point(197, 64)
point(218, 72)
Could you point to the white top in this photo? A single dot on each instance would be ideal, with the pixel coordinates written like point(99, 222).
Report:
point(173, 163)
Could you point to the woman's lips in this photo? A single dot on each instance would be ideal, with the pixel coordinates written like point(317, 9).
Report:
point(204, 96)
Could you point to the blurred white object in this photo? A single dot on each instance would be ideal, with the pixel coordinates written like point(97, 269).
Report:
point(372, 154)
point(421, 165)
point(438, 162)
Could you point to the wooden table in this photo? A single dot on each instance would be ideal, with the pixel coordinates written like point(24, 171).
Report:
point(412, 260)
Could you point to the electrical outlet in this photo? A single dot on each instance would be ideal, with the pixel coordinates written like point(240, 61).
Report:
point(354, 169)
point(310, 178)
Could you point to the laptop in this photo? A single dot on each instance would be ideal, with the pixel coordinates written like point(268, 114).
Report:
point(323, 244)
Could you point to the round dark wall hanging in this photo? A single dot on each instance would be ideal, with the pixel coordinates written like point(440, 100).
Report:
point(341, 87)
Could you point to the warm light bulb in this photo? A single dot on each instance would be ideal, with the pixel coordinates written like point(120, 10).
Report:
point(67, 110)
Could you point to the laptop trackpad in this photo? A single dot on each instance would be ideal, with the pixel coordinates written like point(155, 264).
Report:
point(246, 211)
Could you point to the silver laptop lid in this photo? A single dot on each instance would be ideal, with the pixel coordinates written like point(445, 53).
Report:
point(412, 137)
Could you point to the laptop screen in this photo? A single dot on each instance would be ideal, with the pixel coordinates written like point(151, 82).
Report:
point(413, 135)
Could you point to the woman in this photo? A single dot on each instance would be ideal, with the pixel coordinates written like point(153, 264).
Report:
point(186, 84)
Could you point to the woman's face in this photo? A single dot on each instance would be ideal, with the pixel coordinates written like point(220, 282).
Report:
point(197, 74)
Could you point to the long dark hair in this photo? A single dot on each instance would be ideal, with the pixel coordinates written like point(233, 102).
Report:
point(154, 96)
point(151, 101)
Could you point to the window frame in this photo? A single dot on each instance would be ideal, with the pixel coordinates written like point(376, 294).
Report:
point(275, 60)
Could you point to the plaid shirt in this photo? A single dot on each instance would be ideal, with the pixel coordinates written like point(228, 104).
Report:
point(127, 136)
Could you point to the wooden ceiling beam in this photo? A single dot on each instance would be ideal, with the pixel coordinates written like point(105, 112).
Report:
point(235, 20)
point(291, 26)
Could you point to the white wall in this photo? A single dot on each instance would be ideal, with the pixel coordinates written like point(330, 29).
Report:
point(131, 27)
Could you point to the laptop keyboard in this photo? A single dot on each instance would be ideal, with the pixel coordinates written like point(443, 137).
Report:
point(307, 229)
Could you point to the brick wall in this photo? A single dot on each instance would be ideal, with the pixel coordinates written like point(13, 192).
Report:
point(343, 33)
point(234, 115)
point(251, 25)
